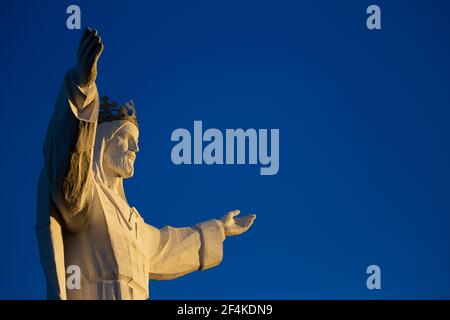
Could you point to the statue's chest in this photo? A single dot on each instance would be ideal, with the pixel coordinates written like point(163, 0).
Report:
point(125, 231)
point(123, 225)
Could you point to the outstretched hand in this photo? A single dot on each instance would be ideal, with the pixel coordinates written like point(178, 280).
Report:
point(89, 52)
point(235, 226)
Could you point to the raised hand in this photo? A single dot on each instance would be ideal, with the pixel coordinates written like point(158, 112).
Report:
point(235, 226)
point(89, 51)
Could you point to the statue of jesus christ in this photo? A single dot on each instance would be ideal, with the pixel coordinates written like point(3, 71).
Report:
point(83, 217)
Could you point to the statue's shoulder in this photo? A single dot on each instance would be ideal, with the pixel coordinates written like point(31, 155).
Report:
point(136, 213)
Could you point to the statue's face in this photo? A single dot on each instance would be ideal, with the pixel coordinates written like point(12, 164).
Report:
point(120, 151)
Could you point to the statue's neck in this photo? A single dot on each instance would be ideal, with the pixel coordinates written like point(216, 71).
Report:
point(113, 183)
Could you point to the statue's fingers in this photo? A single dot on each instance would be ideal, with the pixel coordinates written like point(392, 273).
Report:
point(233, 213)
point(90, 40)
point(249, 224)
point(83, 38)
point(248, 217)
point(86, 33)
point(253, 216)
point(99, 52)
point(85, 47)
point(87, 38)
point(91, 50)
point(95, 54)
point(228, 217)
point(246, 221)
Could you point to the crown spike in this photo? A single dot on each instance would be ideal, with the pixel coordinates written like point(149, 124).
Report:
point(110, 111)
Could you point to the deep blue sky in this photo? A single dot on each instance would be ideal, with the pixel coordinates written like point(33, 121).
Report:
point(364, 137)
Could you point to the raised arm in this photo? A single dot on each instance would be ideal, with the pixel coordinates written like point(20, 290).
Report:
point(69, 143)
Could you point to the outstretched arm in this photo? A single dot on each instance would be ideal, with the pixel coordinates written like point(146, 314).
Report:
point(178, 251)
point(68, 148)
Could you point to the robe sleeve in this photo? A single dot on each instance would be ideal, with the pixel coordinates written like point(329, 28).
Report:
point(178, 251)
point(68, 150)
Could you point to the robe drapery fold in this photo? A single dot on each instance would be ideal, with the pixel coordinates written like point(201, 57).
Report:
point(81, 222)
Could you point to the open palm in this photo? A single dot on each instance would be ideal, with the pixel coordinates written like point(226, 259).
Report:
point(235, 226)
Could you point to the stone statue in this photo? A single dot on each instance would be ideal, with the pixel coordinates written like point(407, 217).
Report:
point(83, 217)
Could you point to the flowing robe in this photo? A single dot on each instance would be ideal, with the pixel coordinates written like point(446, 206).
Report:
point(81, 222)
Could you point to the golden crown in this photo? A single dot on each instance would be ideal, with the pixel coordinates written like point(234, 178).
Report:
point(109, 111)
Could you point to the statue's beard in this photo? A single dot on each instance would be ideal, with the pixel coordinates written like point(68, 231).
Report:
point(122, 166)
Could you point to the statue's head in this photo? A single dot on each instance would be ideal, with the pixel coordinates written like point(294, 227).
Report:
point(119, 132)
point(120, 150)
